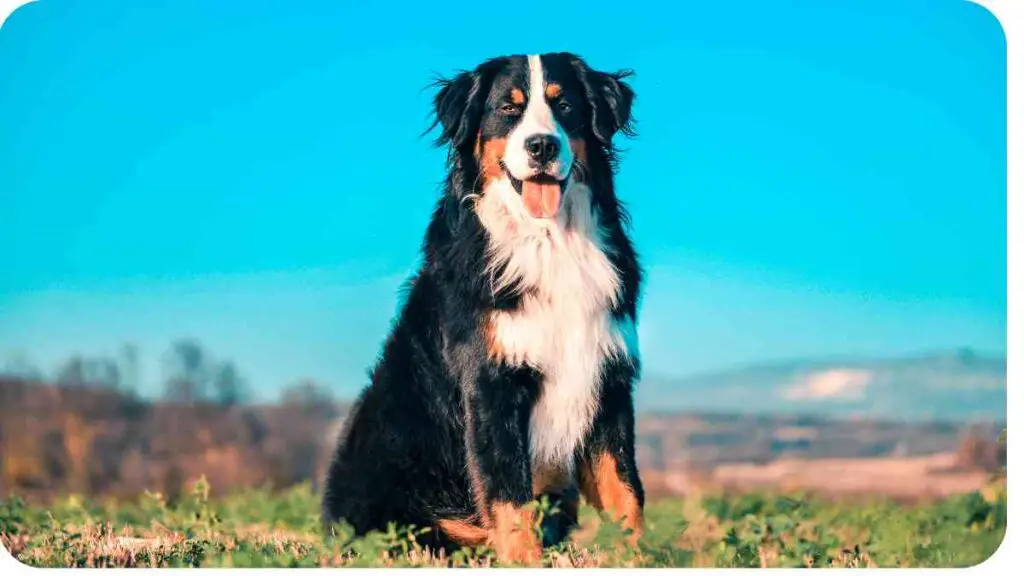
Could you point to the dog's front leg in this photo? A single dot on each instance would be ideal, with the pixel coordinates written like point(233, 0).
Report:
point(498, 405)
point(606, 469)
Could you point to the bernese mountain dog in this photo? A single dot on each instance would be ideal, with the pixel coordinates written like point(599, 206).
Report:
point(508, 374)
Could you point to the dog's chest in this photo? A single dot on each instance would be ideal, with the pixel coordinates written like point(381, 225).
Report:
point(564, 329)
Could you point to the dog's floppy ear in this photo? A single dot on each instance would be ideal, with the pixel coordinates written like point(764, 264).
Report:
point(457, 107)
point(610, 99)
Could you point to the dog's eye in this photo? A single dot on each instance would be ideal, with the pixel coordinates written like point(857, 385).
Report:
point(564, 106)
point(510, 109)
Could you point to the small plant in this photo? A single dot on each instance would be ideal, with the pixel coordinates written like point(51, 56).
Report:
point(196, 510)
point(11, 514)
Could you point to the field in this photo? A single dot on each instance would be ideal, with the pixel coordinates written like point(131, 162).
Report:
point(260, 528)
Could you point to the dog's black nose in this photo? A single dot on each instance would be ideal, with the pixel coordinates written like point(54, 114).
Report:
point(542, 148)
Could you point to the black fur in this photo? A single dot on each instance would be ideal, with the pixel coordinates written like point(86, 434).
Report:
point(436, 402)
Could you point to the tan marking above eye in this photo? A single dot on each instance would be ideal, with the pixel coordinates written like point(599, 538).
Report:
point(518, 97)
point(553, 90)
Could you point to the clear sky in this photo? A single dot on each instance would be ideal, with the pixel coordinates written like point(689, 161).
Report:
point(811, 178)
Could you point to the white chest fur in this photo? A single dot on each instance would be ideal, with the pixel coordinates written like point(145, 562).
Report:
point(563, 328)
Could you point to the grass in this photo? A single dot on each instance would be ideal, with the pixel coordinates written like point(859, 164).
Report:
point(258, 528)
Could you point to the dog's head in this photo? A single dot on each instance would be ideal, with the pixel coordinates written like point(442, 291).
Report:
point(535, 121)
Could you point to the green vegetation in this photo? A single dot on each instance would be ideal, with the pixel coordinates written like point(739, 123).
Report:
point(259, 528)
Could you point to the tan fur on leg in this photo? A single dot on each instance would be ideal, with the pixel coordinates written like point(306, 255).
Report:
point(603, 489)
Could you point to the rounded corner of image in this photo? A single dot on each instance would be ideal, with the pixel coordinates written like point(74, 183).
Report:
point(988, 7)
point(9, 7)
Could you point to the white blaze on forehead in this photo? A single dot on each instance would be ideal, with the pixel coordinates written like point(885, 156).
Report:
point(538, 118)
point(537, 109)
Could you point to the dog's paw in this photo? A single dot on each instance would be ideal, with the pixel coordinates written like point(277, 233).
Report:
point(517, 549)
point(513, 537)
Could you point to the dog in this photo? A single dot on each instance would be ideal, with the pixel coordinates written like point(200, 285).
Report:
point(508, 374)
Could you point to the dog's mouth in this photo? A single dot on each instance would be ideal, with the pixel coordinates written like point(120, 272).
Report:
point(542, 194)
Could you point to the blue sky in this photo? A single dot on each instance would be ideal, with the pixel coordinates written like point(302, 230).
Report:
point(810, 178)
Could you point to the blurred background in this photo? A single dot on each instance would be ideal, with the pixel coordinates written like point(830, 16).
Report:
point(207, 214)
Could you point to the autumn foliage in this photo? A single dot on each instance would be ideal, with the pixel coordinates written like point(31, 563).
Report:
point(86, 440)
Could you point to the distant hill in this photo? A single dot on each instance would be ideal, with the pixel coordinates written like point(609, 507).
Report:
point(954, 386)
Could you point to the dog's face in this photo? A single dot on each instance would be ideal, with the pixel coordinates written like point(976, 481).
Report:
point(530, 120)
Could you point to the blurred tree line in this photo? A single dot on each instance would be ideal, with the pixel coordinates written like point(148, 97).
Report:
point(87, 429)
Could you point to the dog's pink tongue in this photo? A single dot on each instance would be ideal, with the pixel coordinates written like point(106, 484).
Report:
point(542, 199)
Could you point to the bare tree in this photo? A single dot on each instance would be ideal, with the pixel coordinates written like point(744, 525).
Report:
point(194, 375)
point(72, 372)
point(188, 371)
point(130, 367)
point(306, 393)
point(19, 365)
point(101, 372)
point(228, 385)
